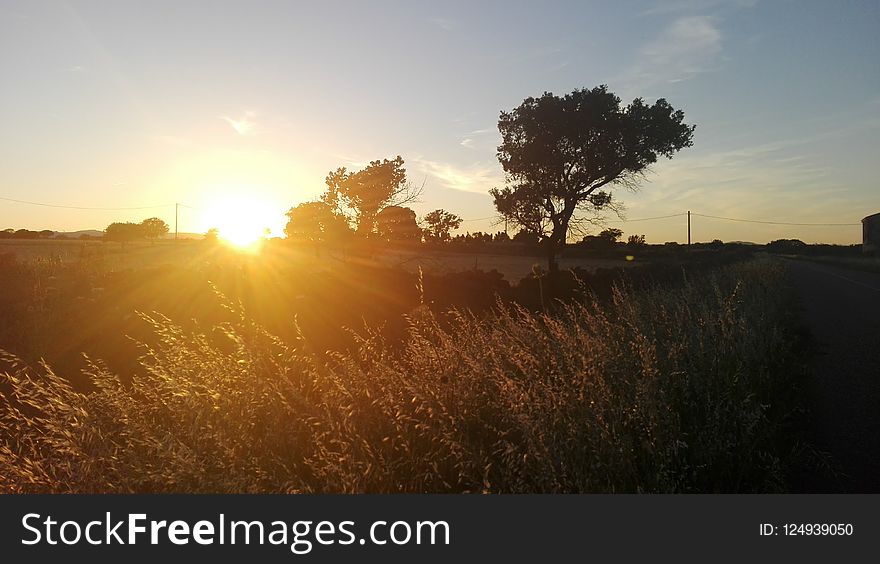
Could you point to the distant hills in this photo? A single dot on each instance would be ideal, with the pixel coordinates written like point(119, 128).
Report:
point(78, 234)
point(98, 233)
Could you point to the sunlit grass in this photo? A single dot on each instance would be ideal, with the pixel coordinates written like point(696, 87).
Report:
point(675, 389)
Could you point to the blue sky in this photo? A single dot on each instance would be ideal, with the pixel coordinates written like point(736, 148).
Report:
point(120, 104)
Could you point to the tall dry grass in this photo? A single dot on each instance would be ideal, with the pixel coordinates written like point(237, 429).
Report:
point(676, 389)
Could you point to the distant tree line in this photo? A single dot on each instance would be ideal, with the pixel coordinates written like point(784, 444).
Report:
point(123, 232)
point(798, 247)
point(149, 229)
point(26, 234)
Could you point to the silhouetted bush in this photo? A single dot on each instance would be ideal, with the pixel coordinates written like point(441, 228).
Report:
point(788, 246)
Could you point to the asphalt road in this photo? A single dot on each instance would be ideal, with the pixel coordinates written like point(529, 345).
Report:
point(842, 309)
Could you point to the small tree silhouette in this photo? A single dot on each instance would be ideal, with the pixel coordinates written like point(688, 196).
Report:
point(439, 223)
point(635, 241)
point(124, 232)
point(396, 223)
point(153, 228)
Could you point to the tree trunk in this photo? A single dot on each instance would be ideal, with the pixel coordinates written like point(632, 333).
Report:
point(551, 280)
point(552, 265)
point(559, 236)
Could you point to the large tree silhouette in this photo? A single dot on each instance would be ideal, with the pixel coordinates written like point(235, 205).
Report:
point(563, 156)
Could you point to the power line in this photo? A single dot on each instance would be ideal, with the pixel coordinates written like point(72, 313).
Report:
point(479, 218)
point(775, 222)
point(682, 214)
point(615, 221)
point(647, 218)
point(83, 207)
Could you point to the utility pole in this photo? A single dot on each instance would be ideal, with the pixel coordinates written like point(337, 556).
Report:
point(689, 228)
point(176, 206)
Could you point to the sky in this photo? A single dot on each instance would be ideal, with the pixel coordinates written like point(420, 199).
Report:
point(242, 108)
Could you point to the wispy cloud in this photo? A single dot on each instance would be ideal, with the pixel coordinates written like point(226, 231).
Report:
point(558, 66)
point(477, 177)
point(765, 182)
point(685, 48)
point(444, 23)
point(244, 125)
point(821, 134)
point(692, 6)
point(787, 179)
point(478, 139)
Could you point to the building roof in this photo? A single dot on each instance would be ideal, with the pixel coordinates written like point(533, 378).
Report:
point(872, 217)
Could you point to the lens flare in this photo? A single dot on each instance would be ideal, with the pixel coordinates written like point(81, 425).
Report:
point(242, 222)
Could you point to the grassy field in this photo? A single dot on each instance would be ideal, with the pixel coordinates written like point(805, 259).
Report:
point(109, 256)
point(112, 256)
point(680, 388)
point(513, 267)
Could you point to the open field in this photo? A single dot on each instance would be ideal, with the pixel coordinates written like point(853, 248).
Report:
point(513, 267)
point(109, 255)
point(112, 256)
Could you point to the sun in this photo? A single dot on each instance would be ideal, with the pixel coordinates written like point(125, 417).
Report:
point(240, 221)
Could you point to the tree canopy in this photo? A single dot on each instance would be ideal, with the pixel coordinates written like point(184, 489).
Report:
point(366, 192)
point(154, 228)
point(439, 223)
point(562, 157)
point(151, 228)
point(124, 232)
point(396, 223)
point(26, 234)
point(606, 239)
point(316, 222)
